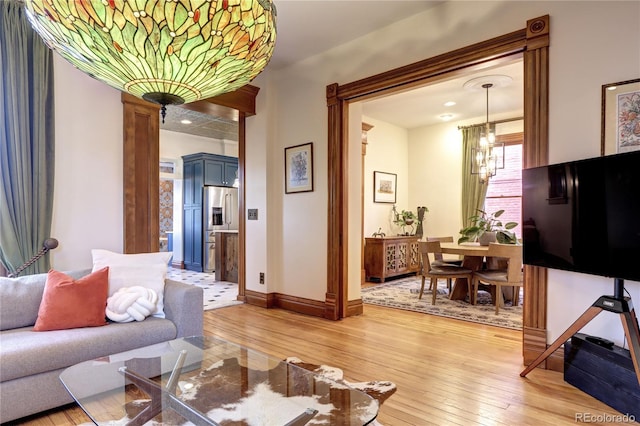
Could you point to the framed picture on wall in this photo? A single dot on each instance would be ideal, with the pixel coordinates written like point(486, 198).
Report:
point(384, 187)
point(298, 168)
point(620, 130)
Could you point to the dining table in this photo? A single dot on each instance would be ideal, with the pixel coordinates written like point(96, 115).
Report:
point(473, 258)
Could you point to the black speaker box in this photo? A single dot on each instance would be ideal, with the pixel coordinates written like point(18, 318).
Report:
point(606, 373)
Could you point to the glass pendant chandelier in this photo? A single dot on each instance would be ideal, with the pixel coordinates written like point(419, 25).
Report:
point(163, 51)
point(485, 157)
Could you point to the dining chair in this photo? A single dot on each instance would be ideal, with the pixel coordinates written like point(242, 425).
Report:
point(439, 260)
point(510, 276)
point(433, 271)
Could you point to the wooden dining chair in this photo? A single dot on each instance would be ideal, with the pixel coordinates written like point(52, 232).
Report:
point(434, 271)
point(511, 276)
point(439, 260)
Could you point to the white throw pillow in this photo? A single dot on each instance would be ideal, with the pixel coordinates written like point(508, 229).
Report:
point(141, 269)
point(131, 304)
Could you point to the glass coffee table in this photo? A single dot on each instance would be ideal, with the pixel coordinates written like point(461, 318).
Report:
point(209, 381)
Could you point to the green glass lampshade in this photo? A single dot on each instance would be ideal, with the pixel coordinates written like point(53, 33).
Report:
point(164, 51)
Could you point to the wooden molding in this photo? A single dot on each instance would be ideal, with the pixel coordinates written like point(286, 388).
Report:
point(555, 362)
point(535, 153)
point(141, 175)
point(532, 44)
point(291, 303)
point(228, 105)
point(511, 138)
point(355, 307)
point(255, 298)
point(242, 194)
point(300, 305)
point(178, 265)
point(536, 343)
point(456, 62)
point(337, 295)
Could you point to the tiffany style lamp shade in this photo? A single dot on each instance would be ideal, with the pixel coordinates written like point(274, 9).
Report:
point(164, 51)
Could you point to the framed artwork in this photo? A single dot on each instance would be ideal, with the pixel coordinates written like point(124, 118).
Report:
point(384, 187)
point(298, 168)
point(620, 130)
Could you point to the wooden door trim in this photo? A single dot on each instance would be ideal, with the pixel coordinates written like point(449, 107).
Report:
point(532, 43)
point(141, 134)
point(141, 175)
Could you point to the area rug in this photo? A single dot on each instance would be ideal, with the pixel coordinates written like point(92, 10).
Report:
point(217, 294)
point(403, 294)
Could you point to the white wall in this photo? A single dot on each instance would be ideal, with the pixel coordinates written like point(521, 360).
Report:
point(87, 203)
point(259, 177)
point(387, 151)
point(436, 178)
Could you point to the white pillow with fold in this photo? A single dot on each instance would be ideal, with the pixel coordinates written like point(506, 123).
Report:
point(129, 270)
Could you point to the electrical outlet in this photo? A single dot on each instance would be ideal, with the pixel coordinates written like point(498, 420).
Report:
point(261, 277)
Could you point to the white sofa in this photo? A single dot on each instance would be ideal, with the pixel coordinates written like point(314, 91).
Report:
point(31, 361)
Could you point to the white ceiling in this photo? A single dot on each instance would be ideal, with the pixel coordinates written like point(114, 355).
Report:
point(308, 27)
point(424, 106)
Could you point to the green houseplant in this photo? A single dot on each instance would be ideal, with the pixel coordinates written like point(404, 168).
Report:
point(404, 219)
point(486, 223)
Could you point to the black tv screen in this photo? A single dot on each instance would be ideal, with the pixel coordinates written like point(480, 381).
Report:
point(584, 216)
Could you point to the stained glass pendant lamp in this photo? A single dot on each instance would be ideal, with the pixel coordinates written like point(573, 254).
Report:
point(164, 51)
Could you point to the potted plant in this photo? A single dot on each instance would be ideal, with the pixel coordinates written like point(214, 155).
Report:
point(486, 227)
point(404, 219)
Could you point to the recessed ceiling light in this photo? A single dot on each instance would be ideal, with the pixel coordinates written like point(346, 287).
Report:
point(450, 103)
point(446, 117)
point(185, 121)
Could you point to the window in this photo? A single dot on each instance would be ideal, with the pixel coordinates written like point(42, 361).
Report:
point(505, 188)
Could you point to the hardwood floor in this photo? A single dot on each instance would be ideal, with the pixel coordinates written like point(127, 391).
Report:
point(448, 372)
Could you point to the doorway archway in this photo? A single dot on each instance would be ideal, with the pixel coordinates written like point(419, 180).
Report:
point(532, 43)
point(141, 177)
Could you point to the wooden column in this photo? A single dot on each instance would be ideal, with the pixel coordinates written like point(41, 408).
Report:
point(536, 153)
point(337, 291)
point(365, 128)
point(242, 226)
point(141, 175)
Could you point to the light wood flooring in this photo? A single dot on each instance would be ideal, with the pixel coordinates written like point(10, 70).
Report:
point(448, 372)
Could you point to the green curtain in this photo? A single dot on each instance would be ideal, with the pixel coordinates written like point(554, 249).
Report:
point(473, 192)
point(26, 141)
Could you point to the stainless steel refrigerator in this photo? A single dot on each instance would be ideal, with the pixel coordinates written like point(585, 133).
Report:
point(221, 214)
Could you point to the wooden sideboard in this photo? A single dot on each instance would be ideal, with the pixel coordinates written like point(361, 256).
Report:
point(391, 256)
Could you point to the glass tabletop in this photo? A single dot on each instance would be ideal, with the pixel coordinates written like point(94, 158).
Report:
point(209, 381)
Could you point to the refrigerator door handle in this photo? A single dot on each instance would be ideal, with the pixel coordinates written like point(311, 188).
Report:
point(227, 209)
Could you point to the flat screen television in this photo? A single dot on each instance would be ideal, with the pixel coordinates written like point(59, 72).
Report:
point(584, 216)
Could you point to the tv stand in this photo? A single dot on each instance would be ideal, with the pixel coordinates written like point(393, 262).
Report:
point(618, 304)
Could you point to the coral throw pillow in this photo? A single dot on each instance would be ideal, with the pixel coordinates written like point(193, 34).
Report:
point(68, 303)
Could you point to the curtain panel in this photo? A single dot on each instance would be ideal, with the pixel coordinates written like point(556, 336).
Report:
point(26, 141)
point(473, 192)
